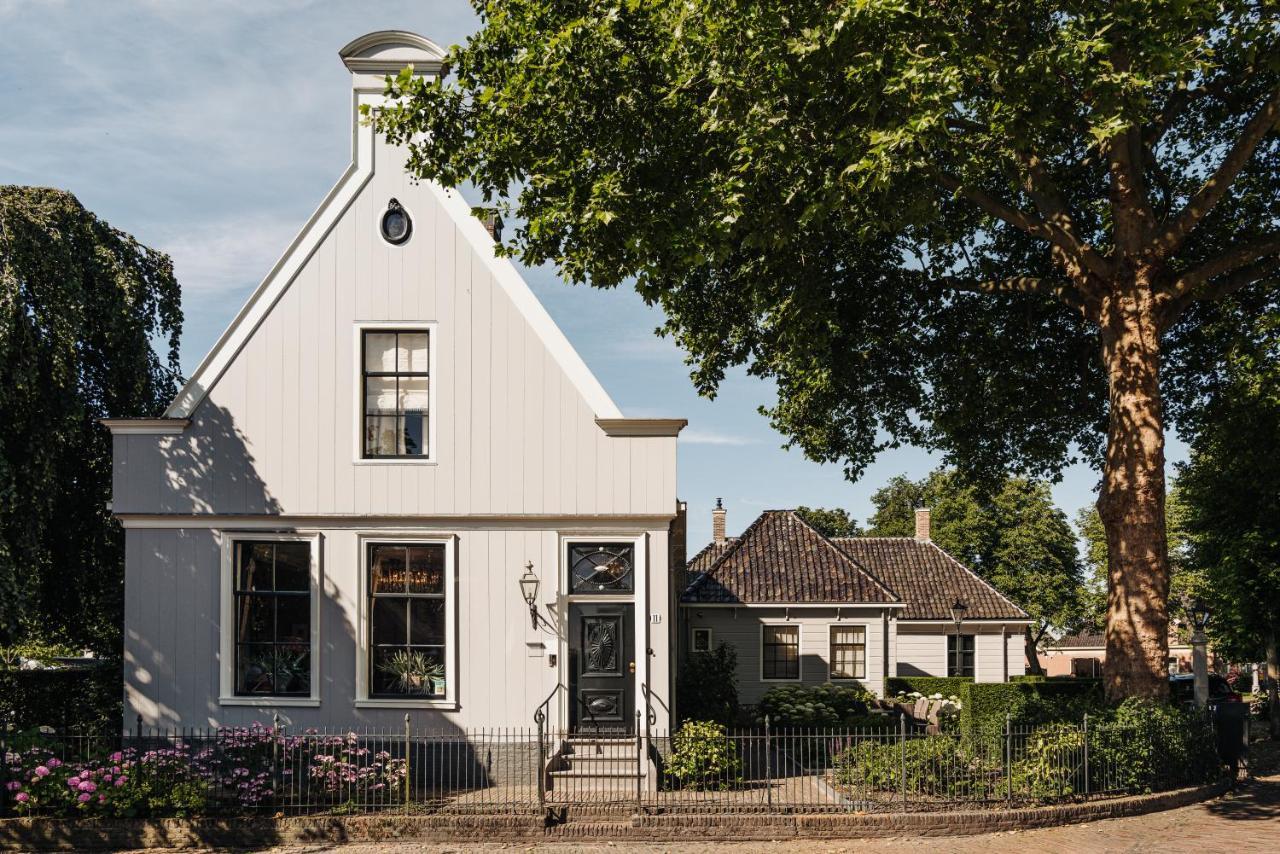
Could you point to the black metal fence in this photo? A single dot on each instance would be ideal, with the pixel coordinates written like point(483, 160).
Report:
point(700, 769)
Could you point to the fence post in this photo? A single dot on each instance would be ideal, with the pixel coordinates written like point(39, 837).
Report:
point(639, 761)
point(768, 763)
point(137, 728)
point(1008, 756)
point(408, 776)
point(542, 764)
point(1086, 754)
point(902, 749)
point(276, 776)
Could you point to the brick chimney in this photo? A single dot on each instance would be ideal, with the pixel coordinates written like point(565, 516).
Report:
point(717, 523)
point(922, 524)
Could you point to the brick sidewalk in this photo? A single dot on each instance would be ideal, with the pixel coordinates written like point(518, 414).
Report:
point(1241, 823)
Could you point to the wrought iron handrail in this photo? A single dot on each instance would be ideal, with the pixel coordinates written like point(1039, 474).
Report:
point(540, 713)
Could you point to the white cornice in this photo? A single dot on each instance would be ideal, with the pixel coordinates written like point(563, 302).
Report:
point(642, 426)
point(145, 426)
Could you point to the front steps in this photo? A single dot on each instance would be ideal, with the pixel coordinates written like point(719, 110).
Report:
point(596, 768)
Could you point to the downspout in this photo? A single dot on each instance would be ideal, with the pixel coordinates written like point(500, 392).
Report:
point(884, 650)
point(1004, 652)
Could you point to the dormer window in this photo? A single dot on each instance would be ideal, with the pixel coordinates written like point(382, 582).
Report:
point(396, 378)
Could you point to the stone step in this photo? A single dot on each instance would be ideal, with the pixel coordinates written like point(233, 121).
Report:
point(579, 762)
point(611, 747)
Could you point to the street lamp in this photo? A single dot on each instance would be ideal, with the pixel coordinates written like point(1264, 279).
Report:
point(958, 610)
point(1200, 614)
point(529, 590)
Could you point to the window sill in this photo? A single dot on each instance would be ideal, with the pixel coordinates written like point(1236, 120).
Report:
point(394, 461)
point(421, 703)
point(272, 702)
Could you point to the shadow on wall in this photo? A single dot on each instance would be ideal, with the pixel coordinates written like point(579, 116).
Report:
point(209, 468)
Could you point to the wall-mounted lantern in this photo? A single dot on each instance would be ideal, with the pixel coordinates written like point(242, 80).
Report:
point(529, 590)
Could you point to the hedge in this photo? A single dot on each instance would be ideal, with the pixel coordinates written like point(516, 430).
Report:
point(927, 685)
point(985, 704)
point(84, 699)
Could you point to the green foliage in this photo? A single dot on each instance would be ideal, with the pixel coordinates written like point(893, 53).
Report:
point(1009, 533)
point(84, 700)
point(928, 685)
point(826, 705)
point(703, 756)
point(985, 704)
point(1053, 764)
point(80, 305)
point(1146, 746)
point(938, 765)
point(707, 686)
point(830, 523)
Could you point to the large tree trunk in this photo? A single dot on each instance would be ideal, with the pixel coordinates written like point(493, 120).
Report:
point(1131, 503)
point(1273, 684)
point(1033, 655)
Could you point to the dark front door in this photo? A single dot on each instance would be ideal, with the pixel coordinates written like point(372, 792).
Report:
point(602, 666)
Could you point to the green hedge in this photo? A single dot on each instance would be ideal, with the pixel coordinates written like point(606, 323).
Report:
point(985, 704)
point(81, 699)
point(927, 685)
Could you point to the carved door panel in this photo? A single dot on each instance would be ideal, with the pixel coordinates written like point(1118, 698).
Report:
point(602, 668)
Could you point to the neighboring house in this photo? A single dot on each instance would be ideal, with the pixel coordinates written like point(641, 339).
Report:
point(1085, 654)
point(342, 513)
point(801, 609)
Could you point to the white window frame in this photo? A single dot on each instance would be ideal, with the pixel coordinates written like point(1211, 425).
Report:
point(450, 543)
point(866, 650)
point(226, 676)
point(693, 639)
point(357, 380)
point(799, 650)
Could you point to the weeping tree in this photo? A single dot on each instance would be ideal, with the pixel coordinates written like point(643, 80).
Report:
point(80, 305)
point(979, 227)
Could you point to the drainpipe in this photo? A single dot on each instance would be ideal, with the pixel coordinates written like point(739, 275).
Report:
point(1004, 652)
point(884, 649)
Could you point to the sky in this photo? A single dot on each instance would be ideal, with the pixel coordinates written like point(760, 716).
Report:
point(211, 129)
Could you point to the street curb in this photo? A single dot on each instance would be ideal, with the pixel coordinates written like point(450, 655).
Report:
point(48, 834)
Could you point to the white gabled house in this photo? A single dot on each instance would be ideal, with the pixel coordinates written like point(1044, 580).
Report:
point(394, 486)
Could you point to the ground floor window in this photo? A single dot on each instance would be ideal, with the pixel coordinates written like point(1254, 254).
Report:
point(848, 652)
point(780, 652)
point(960, 663)
point(702, 640)
point(408, 635)
point(271, 609)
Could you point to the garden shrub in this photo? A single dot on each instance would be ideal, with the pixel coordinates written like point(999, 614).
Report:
point(86, 700)
point(928, 685)
point(826, 705)
point(1027, 703)
point(707, 686)
point(1053, 764)
point(878, 765)
point(703, 756)
point(1145, 746)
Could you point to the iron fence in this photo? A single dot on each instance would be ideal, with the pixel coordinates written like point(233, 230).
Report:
point(269, 769)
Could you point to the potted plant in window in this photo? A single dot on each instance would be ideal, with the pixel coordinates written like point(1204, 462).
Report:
point(413, 673)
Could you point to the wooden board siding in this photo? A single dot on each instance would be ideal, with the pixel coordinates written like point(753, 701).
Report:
point(741, 627)
point(277, 431)
point(172, 638)
point(922, 650)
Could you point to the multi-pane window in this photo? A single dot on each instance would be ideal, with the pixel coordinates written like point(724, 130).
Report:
point(396, 393)
point(848, 652)
point(272, 612)
point(407, 632)
point(702, 640)
point(780, 652)
point(961, 664)
point(602, 567)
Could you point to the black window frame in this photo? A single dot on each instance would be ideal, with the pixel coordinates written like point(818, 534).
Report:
point(275, 596)
point(693, 639)
point(371, 596)
point(968, 656)
point(767, 661)
point(624, 548)
point(366, 375)
point(860, 672)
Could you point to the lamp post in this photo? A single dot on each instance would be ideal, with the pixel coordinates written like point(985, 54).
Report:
point(1200, 652)
point(529, 590)
point(958, 610)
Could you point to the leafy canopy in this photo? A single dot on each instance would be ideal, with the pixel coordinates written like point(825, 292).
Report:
point(1014, 537)
point(830, 522)
point(903, 213)
point(80, 305)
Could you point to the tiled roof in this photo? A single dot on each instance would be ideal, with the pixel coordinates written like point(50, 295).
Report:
point(705, 559)
point(928, 579)
point(1078, 641)
point(781, 559)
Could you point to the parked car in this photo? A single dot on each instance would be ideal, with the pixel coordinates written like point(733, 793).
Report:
point(1182, 687)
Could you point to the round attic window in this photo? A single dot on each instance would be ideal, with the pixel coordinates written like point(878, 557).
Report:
point(396, 225)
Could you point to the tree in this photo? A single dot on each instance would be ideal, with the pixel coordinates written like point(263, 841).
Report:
point(1231, 485)
point(830, 523)
point(1014, 538)
point(80, 304)
point(980, 227)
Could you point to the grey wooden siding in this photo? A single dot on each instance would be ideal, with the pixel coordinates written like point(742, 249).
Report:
point(276, 433)
point(922, 651)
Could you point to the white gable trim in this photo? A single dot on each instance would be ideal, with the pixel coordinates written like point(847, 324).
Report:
point(515, 287)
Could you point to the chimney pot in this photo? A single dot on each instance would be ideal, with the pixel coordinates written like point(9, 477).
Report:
point(923, 534)
point(717, 523)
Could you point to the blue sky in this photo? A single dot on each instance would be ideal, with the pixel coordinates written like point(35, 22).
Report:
point(212, 129)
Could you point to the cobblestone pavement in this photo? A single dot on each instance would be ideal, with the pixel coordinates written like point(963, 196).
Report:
point(1242, 822)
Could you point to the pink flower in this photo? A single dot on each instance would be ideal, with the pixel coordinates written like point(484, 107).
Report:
point(120, 781)
point(42, 771)
point(54, 762)
point(13, 785)
point(87, 786)
point(85, 797)
point(102, 799)
point(106, 778)
point(22, 797)
point(115, 769)
point(73, 782)
point(116, 757)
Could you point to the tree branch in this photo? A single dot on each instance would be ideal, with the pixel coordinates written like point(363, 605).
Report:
point(1222, 276)
point(1230, 260)
point(1062, 290)
point(1220, 181)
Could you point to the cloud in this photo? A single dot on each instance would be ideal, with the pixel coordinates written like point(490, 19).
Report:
point(228, 255)
point(711, 437)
